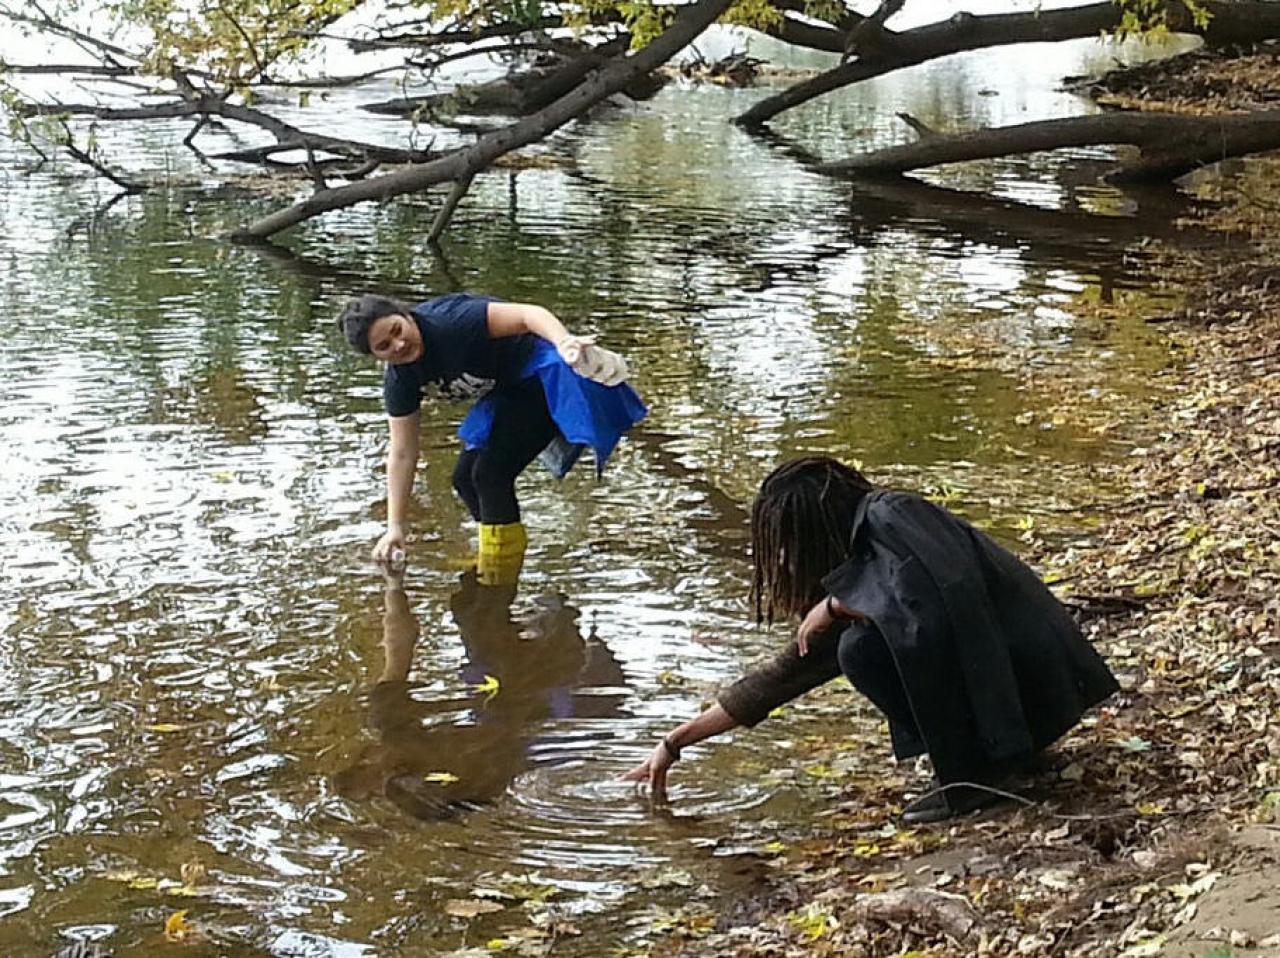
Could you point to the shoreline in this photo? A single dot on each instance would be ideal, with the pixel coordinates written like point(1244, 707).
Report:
point(1157, 829)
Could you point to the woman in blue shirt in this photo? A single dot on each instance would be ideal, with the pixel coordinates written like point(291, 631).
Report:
point(540, 391)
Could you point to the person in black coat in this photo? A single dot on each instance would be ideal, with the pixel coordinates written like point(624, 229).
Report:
point(956, 640)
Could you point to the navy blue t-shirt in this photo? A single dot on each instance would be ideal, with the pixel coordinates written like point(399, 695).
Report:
point(458, 357)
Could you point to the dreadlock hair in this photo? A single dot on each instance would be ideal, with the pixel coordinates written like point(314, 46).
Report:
point(801, 523)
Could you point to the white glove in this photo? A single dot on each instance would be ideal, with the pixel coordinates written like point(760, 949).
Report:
point(594, 362)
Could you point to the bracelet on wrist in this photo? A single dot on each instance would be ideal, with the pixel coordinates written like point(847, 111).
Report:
point(672, 748)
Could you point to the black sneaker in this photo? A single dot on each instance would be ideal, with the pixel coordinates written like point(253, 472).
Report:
point(939, 803)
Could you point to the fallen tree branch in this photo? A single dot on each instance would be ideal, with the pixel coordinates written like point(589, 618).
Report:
point(446, 212)
point(128, 186)
point(1232, 21)
point(518, 94)
point(689, 23)
point(288, 137)
point(88, 69)
point(1171, 143)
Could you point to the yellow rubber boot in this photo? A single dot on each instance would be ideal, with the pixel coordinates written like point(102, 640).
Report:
point(501, 553)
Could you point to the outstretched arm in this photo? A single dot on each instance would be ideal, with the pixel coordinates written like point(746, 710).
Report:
point(653, 771)
point(515, 319)
point(581, 353)
point(402, 463)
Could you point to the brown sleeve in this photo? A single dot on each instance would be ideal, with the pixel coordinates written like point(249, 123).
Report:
point(786, 676)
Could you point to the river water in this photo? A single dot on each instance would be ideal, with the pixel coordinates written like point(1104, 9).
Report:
point(199, 664)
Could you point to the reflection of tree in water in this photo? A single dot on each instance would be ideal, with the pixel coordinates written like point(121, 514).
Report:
point(437, 758)
point(216, 396)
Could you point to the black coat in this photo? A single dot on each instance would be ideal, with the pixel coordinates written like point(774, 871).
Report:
point(993, 666)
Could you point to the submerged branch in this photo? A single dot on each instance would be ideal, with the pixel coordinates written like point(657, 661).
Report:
point(689, 23)
point(879, 51)
point(86, 157)
point(288, 137)
point(446, 212)
point(1171, 143)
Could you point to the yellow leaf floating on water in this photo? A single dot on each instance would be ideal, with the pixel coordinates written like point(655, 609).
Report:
point(144, 883)
point(177, 928)
point(1150, 808)
point(166, 727)
point(489, 687)
point(224, 475)
point(775, 847)
point(442, 778)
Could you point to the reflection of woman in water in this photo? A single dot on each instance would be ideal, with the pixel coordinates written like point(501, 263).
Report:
point(432, 765)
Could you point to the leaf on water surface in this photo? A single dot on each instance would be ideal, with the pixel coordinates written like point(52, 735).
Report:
point(488, 688)
point(166, 727)
point(442, 778)
point(470, 907)
point(528, 888)
point(669, 877)
point(177, 928)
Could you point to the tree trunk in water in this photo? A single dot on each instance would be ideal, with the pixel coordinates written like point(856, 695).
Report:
point(1171, 143)
point(465, 163)
point(883, 51)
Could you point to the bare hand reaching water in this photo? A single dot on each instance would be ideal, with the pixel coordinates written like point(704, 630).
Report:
point(653, 771)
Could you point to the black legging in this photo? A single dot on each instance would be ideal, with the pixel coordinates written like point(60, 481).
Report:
point(522, 428)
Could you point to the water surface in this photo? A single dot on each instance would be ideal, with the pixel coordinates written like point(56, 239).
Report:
point(199, 663)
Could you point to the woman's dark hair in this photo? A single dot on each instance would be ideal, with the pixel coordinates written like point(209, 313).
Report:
point(358, 315)
point(801, 525)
